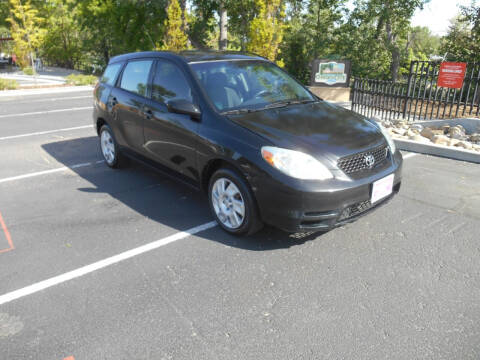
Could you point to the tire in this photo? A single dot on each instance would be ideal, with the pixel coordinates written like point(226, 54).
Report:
point(110, 149)
point(225, 206)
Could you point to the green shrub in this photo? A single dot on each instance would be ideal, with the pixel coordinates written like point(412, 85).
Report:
point(7, 84)
point(79, 79)
point(27, 71)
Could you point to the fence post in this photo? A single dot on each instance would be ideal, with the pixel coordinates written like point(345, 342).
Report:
point(354, 94)
point(407, 96)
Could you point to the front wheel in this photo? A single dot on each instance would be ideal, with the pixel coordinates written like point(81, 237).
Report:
point(232, 203)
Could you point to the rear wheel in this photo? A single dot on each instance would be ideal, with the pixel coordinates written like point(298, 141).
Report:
point(110, 149)
point(232, 203)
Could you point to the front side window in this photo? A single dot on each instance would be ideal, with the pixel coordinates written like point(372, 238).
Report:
point(169, 83)
point(135, 76)
point(110, 74)
point(248, 84)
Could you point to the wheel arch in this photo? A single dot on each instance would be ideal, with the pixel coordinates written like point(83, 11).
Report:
point(99, 123)
point(217, 163)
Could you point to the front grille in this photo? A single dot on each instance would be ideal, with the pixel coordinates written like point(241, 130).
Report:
point(355, 209)
point(353, 163)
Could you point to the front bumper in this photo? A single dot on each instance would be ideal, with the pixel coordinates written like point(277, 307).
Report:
point(299, 206)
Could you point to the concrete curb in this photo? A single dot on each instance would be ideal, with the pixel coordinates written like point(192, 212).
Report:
point(42, 91)
point(438, 150)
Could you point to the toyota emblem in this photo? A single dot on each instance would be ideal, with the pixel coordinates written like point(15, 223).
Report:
point(369, 160)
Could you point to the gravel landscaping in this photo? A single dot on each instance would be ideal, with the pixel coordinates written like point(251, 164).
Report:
point(447, 135)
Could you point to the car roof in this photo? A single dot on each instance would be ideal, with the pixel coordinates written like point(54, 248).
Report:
point(190, 56)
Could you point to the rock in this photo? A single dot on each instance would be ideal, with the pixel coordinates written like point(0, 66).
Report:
point(453, 142)
point(427, 132)
point(476, 147)
point(419, 138)
point(387, 124)
point(441, 140)
point(445, 128)
point(438, 132)
point(410, 133)
point(464, 144)
point(457, 132)
point(417, 127)
point(400, 132)
point(475, 137)
point(399, 123)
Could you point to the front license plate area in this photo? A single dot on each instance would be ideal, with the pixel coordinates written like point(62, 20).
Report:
point(382, 188)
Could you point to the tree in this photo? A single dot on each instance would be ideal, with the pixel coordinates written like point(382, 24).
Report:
point(358, 42)
point(112, 27)
point(393, 23)
point(202, 23)
point(462, 41)
point(26, 31)
point(240, 15)
point(266, 29)
point(311, 32)
point(223, 36)
point(62, 44)
point(4, 11)
point(175, 38)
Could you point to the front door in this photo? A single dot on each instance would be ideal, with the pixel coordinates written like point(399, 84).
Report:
point(170, 138)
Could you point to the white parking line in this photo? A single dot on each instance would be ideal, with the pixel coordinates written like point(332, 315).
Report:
point(46, 112)
point(45, 132)
point(46, 172)
point(42, 285)
point(55, 99)
point(56, 280)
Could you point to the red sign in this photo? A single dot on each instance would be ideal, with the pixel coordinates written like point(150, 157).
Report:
point(451, 75)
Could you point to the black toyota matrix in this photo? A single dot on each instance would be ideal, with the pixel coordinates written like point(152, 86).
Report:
point(262, 146)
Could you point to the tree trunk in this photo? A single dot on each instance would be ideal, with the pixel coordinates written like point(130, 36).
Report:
point(394, 50)
point(106, 53)
point(223, 38)
point(395, 63)
point(183, 5)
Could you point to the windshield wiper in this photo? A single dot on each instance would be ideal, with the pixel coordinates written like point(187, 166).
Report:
point(238, 111)
point(285, 103)
point(277, 104)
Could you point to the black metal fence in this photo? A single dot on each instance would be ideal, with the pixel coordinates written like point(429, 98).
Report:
point(418, 98)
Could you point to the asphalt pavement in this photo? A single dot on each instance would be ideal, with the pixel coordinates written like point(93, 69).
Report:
point(98, 263)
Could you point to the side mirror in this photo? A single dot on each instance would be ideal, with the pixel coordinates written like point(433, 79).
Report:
point(184, 107)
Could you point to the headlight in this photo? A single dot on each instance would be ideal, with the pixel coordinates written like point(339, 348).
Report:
point(389, 139)
point(295, 164)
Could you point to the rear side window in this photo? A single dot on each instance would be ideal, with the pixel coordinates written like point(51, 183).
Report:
point(135, 76)
point(169, 83)
point(110, 74)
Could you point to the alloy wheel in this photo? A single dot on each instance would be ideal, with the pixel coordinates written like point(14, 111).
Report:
point(228, 203)
point(108, 147)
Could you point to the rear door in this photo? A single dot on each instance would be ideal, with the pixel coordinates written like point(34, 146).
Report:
point(102, 91)
point(127, 102)
point(171, 138)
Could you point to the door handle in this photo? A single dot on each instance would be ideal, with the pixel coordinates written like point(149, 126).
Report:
point(148, 114)
point(113, 101)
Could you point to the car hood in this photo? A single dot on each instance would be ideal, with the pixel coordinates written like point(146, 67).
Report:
point(321, 129)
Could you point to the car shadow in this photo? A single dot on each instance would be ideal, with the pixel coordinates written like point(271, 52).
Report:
point(159, 197)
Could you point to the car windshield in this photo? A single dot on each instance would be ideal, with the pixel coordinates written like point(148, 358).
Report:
point(248, 85)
